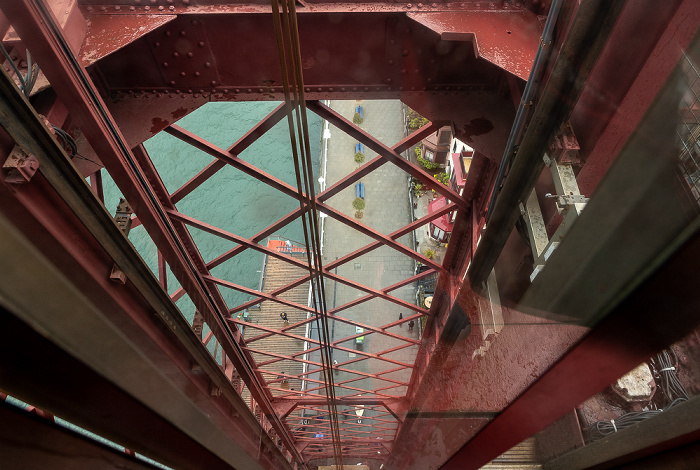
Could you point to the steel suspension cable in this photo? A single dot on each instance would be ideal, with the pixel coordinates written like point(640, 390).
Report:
point(310, 189)
point(302, 166)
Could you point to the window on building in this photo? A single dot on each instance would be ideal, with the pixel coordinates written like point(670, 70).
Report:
point(438, 234)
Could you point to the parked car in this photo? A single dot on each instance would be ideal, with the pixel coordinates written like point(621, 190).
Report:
point(360, 339)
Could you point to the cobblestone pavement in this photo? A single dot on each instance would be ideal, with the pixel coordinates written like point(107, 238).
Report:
point(387, 209)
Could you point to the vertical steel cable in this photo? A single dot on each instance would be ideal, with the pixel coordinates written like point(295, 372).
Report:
point(302, 117)
point(303, 171)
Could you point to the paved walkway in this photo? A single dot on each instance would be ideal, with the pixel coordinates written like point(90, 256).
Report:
point(387, 209)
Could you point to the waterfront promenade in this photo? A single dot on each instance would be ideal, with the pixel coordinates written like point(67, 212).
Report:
point(387, 209)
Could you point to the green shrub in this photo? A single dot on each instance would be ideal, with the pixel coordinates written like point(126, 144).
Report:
point(358, 203)
point(359, 157)
point(415, 120)
point(357, 119)
point(428, 164)
point(419, 153)
point(358, 214)
point(429, 253)
point(443, 178)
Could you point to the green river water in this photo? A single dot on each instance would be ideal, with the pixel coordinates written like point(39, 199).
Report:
point(230, 199)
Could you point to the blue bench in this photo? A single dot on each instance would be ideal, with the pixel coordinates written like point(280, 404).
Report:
point(359, 110)
point(359, 147)
point(360, 190)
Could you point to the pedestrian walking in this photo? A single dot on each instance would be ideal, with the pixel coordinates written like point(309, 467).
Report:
point(284, 318)
point(411, 325)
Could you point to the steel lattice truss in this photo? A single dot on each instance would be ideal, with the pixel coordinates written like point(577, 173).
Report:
point(368, 426)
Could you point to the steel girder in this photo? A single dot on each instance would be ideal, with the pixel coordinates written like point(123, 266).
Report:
point(440, 103)
point(428, 57)
point(41, 34)
point(27, 438)
point(156, 210)
point(59, 240)
point(627, 336)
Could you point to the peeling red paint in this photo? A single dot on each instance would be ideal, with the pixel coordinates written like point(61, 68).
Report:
point(179, 113)
point(476, 127)
point(158, 125)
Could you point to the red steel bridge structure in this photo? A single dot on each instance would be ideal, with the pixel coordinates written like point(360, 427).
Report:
point(517, 335)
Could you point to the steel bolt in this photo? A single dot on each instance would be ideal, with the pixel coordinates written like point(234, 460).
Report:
point(249, 90)
point(117, 8)
point(147, 8)
point(409, 5)
point(165, 64)
point(342, 89)
point(420, 5)
point(434, 5)
point(182, 74)
point(157, 44)
point(183, 33)
point(89, 8)
point(238, 90)
point(171, 8)
point(200, 43)
point(260, 90)
point(196, 74)
point(168, 1)
point(189, 91)
point(207, 64)
point(132, 8)
point(152, 2)
point(226, 91)
point(391, 62)
point(172, 82)
point(167, 33)
point(213, 83)
point(137, 1)
point(196, 95)
point(194, 22)
point(161, 8)
point(175, 54)
point(330, 89)
point(103, 8)
point(189, 54)
point(185, 2)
